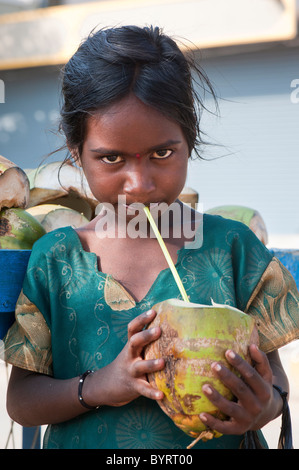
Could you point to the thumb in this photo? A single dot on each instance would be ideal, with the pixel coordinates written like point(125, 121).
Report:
point(261, 362)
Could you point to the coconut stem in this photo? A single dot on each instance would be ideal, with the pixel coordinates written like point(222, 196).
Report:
point(167, 255)
point(207, 435)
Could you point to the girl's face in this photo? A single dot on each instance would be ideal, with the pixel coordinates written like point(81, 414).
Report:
point(132, 150)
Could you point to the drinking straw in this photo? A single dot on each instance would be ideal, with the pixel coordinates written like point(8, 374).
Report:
point(167, 255)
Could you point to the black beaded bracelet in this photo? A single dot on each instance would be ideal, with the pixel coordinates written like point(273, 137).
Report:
point(80, 387)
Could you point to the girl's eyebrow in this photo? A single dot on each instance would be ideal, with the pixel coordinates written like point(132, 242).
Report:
point(164, 145)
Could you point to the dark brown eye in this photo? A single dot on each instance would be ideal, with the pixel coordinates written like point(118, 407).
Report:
point(164, 153)
point(110, 159)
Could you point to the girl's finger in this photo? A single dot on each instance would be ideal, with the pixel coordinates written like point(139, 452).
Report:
point(261, 363)
point(228, 407)
point(141, 368)
point(235, 384)
point(144, 388)
point(223, 427)
point(238, 419)
point(249, 374)
point(139, 340)
point(138, 323)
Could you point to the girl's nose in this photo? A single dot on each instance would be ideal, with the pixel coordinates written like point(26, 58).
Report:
point(139, 182)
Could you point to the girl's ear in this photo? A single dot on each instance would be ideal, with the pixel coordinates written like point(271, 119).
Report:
point(75, 156)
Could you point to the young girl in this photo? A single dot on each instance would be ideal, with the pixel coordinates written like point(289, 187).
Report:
point(130, 119)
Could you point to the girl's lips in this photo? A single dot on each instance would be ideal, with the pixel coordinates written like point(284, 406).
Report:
point(138, 205)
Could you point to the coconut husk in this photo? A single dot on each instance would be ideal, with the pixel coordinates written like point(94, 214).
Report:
point(53, 183)
point(14, 185)
point(53, 216)
point(189, 196)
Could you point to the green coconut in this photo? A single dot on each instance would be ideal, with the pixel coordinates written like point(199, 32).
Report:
point(250, 217)
point(18, 229)
point(193, 337)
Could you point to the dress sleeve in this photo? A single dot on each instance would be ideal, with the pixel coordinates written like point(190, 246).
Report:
point(265, 289)
point(274, 303)
point(27, 343)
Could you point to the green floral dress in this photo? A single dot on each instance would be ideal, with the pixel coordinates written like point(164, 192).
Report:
point(71, 317)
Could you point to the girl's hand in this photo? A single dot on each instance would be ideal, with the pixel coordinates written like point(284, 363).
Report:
point(255, 403)
point(126, 377)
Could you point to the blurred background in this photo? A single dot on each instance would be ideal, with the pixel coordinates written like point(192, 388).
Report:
point(249, 50)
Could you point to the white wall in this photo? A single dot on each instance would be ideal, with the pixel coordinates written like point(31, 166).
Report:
point(259, 133)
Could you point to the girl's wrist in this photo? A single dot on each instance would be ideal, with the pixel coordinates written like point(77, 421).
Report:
point(80, 391)
point(272, 412)
point(87, 396)
point(279, 395)
point(276, 405)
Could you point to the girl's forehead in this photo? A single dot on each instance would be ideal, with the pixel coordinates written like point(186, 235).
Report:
point(129, 108)
point(132, 121)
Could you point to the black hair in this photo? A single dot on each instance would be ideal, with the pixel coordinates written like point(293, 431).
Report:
point(113, 62)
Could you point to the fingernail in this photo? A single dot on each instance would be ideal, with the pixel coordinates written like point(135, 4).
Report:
point(206, 388)
point(231, 354)
point(216, 366)
point(203, 417)
point(149, 312)
point(155, 330)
